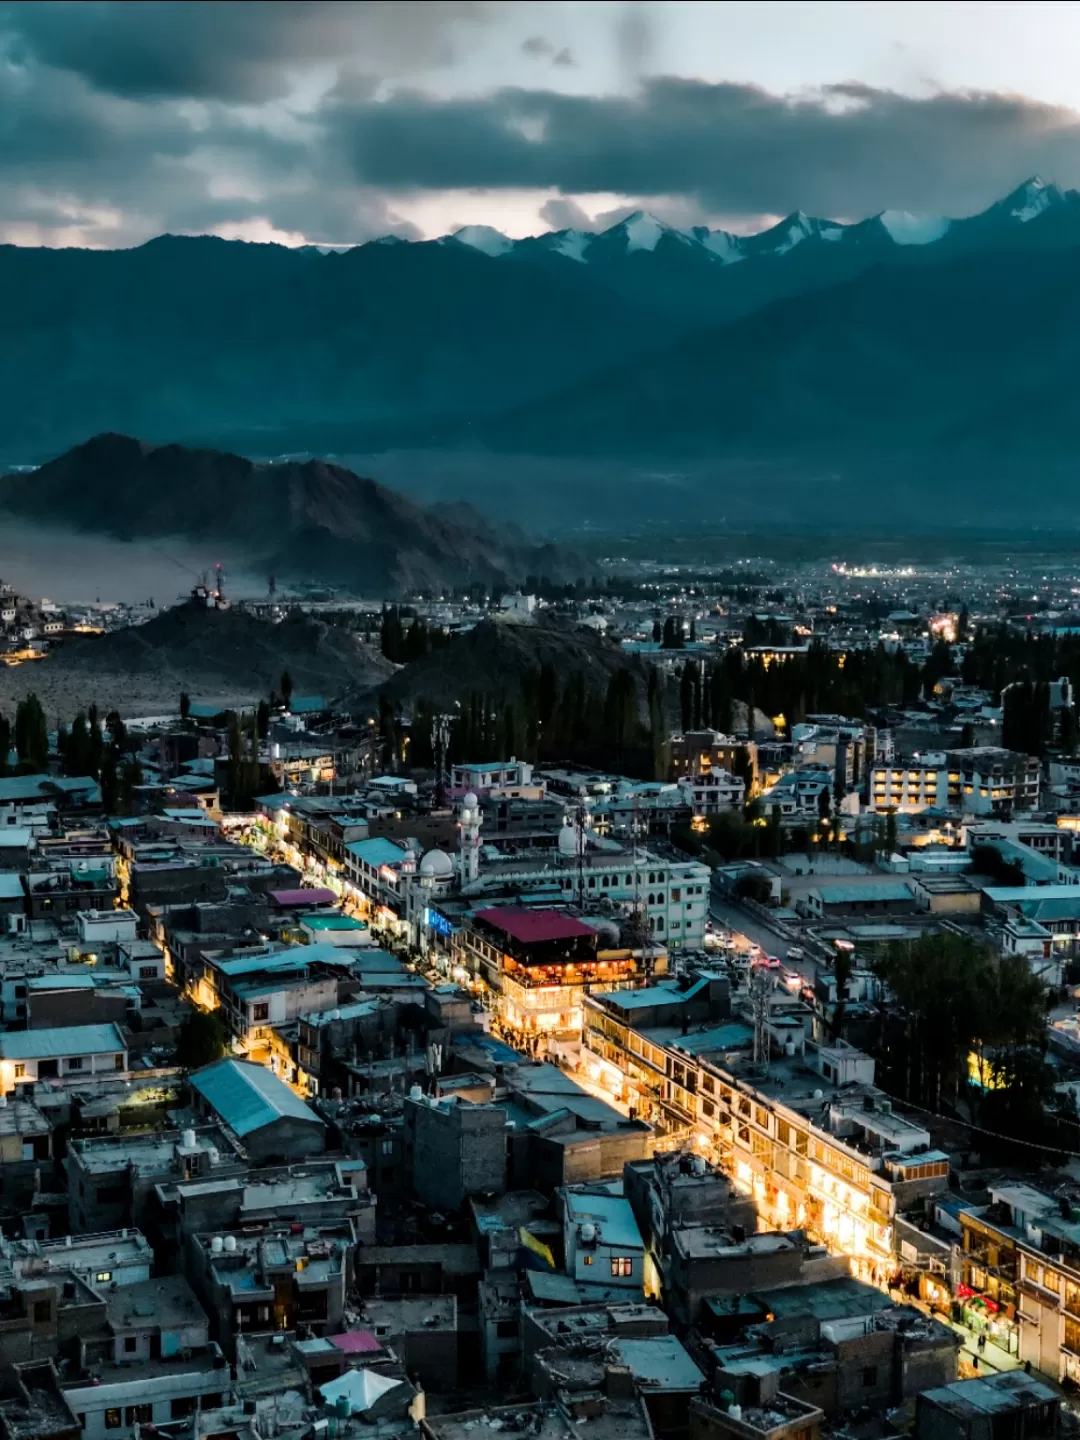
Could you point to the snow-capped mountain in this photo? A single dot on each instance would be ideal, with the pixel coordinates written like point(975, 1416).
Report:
point(642, 231)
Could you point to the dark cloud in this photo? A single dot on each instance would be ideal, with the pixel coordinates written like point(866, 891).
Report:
point(538, 48)
point(564, 214)
point(847, 151)
point(229, 51)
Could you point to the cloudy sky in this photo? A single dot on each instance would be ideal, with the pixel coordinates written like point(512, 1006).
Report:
point(336, 122)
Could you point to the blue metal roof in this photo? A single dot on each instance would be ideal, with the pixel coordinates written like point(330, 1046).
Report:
point(248, 1097)
point(377, 852)
point(61, 1040)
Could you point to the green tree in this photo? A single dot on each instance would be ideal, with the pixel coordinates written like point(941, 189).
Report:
point(31, 734)
point(202, 1039)
point(185, 706)
point(262, 716)
point(286, 685)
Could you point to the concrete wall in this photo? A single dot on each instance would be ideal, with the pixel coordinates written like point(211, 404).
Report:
point(454, 1151)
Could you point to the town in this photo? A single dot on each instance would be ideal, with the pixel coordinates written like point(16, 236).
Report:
point(688, 1050)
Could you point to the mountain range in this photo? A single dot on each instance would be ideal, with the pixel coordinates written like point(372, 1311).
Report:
point(304, 520)
point(920, 349)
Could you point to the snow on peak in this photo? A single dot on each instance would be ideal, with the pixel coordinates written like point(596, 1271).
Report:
point(573, 243)
point(1032, 198)
point(907, 229)
point(643, 231)
point(720, 243)
point(483, 238)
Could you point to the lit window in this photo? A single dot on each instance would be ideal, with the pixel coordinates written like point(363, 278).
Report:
point(103, 1277)
point(622, 1266)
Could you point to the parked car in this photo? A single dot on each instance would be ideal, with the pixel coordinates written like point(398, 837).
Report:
point(796, 952)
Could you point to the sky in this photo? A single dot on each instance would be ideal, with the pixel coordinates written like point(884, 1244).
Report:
point(335, 121)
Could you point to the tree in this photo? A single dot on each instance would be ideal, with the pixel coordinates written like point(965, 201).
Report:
point(185, 706)
point(201, 1040)
point(262, 716)
point(32, 734)
point(843, 970)
point(657, 632)
point(5, 743)
point(286, 685)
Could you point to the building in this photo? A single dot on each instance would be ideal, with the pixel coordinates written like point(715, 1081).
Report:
point(71, 1053)
point(920, 784)
point(1006, 1404)
point(815, 1143)
point(112, 1179)
point(269, 1118)
point(539, 964)
point(601, 1241)
point(783, 1417)
point(454, 1149)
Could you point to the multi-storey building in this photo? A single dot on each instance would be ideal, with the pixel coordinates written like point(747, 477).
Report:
point(920, 784)
point(539, 964)
point(808, 1135)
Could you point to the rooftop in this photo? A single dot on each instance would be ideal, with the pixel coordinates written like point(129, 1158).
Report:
point(249, 1096)
point(161, 1303)
point(59, 1041)
point(532, 927)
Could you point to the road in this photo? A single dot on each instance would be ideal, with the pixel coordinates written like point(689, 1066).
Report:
point(760, 932)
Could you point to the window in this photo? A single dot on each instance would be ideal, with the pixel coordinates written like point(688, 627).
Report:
point(386, 1147)
point(507, 1329)
point(146, 972)
point(140, 1414)
point(676, 894)
point(75, 1063)
point(131, 1344)
point(869, 1376)
point(261, 1011)
point(103, 1277)
point(588, 1259)
point(622, 1265)
point(182, 1408)
point(113, 1419)
point(42, 1312)
point(20, 1072)
point(118, 1062)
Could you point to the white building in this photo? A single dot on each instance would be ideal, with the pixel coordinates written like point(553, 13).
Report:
point(601, 1240)
point(61, 1053)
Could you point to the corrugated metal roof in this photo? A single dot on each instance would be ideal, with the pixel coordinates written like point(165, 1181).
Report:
point(58, 1041)
point(11, 886)
point(249, 1096)
point(377, 852)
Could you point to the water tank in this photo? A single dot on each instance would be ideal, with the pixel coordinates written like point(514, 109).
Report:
point(819, 1095)
point(588, 1232)
point(789, 1046)
point(343, 1406)
point(415, 1092)
point(735, 1411)
point(335, 1014)
point(697, 1165)
point(230, 1244)
point(188, 1140)
point(217, 1245)
point(213, 1154)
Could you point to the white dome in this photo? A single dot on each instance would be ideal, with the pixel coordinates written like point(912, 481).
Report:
point(470, 802)
point(436, 865)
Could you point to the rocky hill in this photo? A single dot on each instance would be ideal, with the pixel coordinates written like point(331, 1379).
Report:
point(492, 658)
point(304, 520)
point(224, 657)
